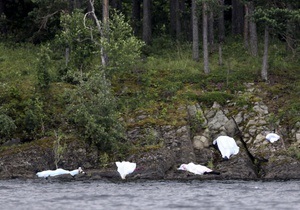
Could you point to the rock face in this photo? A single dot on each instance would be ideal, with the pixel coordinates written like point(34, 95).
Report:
point(189, 142)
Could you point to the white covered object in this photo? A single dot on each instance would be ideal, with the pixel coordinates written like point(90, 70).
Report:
point(125, 168)
point(194, 168)
point(272, 137)
point(227, 146)
point(59, 171)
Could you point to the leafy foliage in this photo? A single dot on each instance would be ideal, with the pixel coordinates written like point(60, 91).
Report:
point(122, 48)
point(58, 148)
point(7, 127)
point(92, 110)
point(44, 63)
point(75, 47)
point(210, 97)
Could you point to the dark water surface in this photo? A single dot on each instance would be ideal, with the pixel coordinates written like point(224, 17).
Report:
point(45, 194)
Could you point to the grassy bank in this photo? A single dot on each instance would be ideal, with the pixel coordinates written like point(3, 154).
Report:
point(158, 85)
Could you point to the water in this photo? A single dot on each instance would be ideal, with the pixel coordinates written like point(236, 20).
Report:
point(45, 194)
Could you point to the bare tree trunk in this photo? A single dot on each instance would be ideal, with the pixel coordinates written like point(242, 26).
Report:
point(246, 27)
point(175, 13)
point(136, 16)
point(195, 31)
point(178, 23)
point(211, 30)
point(237, 17)
point(105, 11)
point(105, 19)
point(173, 17)
point(253, 32)
point(205, 42)
point(221, 30)
point(147, 34)
point(264, 70)
point(184, 21)
point(94, 17)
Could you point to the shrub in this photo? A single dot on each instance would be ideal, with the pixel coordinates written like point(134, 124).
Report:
point(7, 126)
point(93, 112)
point(43, 66)
point(122, 48)
point(210, 97)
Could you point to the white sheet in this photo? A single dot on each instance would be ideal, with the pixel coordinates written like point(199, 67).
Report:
point(194, 168)
point(125, 168)
point(272, 137)
point(59, 171)
point(227, 146)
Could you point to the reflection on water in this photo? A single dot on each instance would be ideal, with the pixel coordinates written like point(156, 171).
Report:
point(45, 194)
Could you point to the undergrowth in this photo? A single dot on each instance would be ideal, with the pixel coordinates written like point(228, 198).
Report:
point(158, 85)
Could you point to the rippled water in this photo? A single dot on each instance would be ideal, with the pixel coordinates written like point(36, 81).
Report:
point(45, 194)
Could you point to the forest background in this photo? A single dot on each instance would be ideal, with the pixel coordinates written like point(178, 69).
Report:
point(80, 70)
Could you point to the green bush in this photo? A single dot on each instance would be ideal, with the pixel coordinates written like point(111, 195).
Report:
point(43, 66)
point(93, 112)
point(7, 127)
point(210, 97)
point(122, 48)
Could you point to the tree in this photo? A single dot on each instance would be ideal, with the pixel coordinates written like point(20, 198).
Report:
point(195, 31)
point(205, 34)
point(175, 16)
point(105, 21)
point(136, 16)
point(100, 30)
point(147, 28)
point(253, 31)
point(246, 26)
point(221, 30)
point(237, 17)
point(273, 18)
point(211, 27)
point(264, 70)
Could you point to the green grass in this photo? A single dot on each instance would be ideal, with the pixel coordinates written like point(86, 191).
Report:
point(159, 85)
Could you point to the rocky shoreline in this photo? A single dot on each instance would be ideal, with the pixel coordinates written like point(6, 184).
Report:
point(258, 159)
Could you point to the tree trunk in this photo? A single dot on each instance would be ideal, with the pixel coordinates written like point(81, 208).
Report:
point(105, 19)
point(246, 27)
point(105, 11)
point(221, 31)
point(175, 13)
point(185, 21)
point(205, 42)
point(237, 17)
point(94, 17)
point(211, 30)
point(136, 16)
point(178, 24)
point(195, 31)
point(264, 70)
point(253, 32)
point(147, 33)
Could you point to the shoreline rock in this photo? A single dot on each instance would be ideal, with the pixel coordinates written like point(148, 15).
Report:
point(190, 142)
